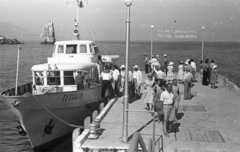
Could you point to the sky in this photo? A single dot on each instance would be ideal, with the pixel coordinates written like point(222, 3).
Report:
point(173, 20)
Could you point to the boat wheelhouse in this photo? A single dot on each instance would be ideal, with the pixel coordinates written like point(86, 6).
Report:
point(59, 73)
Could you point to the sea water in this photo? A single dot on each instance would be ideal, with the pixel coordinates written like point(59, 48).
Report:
point(225, 54)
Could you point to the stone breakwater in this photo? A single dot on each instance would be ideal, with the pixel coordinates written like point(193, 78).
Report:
point(5, 40)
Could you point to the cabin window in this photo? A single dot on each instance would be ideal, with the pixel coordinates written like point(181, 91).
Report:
point(69, 78)
point(83, 49)
point(71, 49)
point(39, 78)
point(53, 77)
point(60, 49)
point(96, 50)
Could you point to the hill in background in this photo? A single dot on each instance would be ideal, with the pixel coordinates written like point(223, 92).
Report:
point(13, 31)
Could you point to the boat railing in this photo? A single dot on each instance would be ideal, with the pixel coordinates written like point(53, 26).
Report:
point(152, 142)
point(21, 90)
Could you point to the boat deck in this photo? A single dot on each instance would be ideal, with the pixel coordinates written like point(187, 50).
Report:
point(210, 122)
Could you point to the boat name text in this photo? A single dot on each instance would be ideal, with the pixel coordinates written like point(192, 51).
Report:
point(74, 96)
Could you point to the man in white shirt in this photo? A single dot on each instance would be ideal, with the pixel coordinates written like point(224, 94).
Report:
point(116, 76)
point(159, 74)
point(122, 78)
point(137, 80)
point(166, 100)
point(106, 83)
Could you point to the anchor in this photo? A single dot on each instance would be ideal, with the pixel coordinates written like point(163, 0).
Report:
point(48, 127)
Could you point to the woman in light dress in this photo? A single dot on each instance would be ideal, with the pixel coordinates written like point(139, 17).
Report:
point(148, 93)
point(170, 72)
point(180, 72)
point(214, 76)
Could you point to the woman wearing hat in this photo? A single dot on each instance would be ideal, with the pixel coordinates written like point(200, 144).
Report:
point(170, 72)
point(214, 76)
point(148, 92)
point(180, 72)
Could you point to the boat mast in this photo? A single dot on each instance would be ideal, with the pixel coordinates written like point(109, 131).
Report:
point(75, 31)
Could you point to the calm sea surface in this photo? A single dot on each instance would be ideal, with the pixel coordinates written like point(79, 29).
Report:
point(226, 56)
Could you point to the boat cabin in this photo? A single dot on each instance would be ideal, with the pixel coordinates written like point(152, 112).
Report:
point(58, 74)
point(69, 57)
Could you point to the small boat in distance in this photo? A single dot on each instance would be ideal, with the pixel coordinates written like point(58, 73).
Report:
point(50, 106)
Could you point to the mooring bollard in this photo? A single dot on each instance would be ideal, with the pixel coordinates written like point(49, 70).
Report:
point(97, 122)
point(227, 83)
point(93, 131)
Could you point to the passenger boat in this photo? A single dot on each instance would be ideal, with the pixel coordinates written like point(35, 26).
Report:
point(50, 106)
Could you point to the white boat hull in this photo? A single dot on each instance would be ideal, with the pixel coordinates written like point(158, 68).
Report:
point(59, 111)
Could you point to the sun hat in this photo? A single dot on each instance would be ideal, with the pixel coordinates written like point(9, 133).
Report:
point(215, 66)
point(135, 66)
point(171, 63)
point(122, 66)
point(165, 55)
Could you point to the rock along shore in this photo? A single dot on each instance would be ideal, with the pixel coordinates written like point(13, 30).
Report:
point(5, 40)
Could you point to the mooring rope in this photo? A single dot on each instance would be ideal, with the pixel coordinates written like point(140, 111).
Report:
point(63, 121)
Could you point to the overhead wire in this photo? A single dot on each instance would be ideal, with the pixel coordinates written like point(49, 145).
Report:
point(86, 24)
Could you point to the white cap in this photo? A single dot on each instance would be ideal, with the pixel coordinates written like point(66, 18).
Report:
point(165, 55)
point(171, 63)
point(135, 66)
point(122, 66)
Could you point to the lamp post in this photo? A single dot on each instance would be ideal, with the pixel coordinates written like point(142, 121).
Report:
point(128, 3)
point(152, 27)
point(203, 28)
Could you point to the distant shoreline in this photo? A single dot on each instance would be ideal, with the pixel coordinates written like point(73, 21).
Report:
point(147, 41)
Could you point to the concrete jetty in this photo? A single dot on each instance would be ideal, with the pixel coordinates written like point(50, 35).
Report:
point(209, 122)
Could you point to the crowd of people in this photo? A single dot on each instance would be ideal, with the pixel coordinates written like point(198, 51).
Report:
point(163, 94)
point(208, 73)
point(113, 80)
point(161, 88)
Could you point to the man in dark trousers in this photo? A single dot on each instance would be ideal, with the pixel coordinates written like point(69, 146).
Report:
point(166, 62)
point(146, 64)
point(106, 77)
point(205, 68)
point(166, 100)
